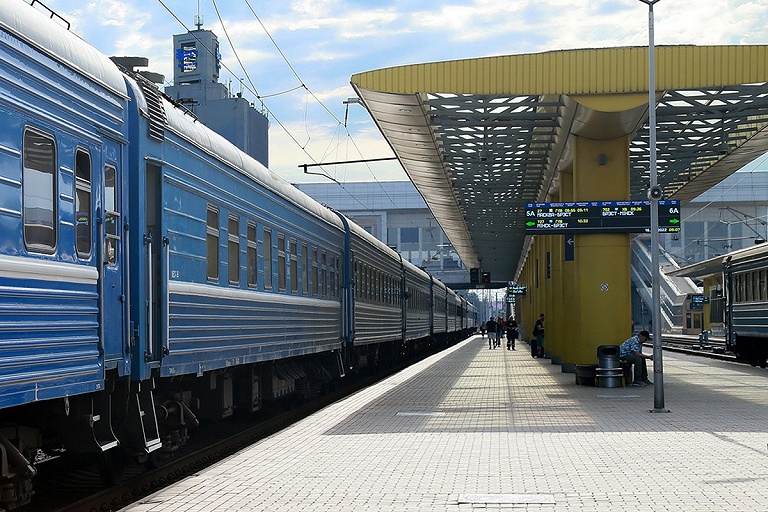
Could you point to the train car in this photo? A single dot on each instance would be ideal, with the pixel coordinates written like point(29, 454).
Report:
point(377, 296)
point(745, 276)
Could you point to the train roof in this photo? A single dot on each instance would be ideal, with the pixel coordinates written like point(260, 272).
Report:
point(36, 29)
point(718, 263)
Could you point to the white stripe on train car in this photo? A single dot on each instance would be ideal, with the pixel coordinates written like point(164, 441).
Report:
point(186, 288)
point(17, 267)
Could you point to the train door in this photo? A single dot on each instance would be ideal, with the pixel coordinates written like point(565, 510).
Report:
point(154, 245)
point(113, 256)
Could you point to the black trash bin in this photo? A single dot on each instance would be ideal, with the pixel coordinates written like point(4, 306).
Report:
point(609, 372)
point(608, 356)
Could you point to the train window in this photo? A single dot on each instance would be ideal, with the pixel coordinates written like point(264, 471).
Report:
point(755, 291)
point(252, 253)
point(315, 282)
point(761, 286)
point(39, 191)
point(324, 273)
point(739, 287)
point(83, 234)
point(212, 242)
point(294, 267)
point(111, 215)
point(233, 249)
point(334, 275)
point(267, 259)
point(281, 262)
point(371, 283)
point(304, 269)
point(361, 281)
point(357, 281)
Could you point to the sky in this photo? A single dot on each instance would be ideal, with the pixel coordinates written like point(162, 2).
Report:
point(296, 57)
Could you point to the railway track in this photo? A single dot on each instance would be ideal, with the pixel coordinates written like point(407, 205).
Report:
point(714, 348)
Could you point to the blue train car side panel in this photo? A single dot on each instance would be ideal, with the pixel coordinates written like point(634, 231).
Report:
point(49, 324)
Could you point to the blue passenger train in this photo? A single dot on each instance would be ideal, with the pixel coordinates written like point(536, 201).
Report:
point(153, 276)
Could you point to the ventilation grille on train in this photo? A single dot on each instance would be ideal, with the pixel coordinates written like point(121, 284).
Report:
point(154, 109)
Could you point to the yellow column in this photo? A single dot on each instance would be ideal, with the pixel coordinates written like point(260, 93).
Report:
point(602, 261)
point(570, 305)
point(555, 327)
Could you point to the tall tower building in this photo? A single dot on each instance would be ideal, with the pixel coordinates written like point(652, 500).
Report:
point(196, 85)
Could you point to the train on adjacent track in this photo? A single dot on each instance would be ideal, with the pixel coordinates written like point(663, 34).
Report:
point(153, 276)
point(745, 281)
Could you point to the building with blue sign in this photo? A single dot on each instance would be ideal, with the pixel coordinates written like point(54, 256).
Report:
point(196, 86)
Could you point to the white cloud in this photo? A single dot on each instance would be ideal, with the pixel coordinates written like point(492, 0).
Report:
point(105, 13)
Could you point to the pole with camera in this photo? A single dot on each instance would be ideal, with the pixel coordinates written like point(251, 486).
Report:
point(655, 193)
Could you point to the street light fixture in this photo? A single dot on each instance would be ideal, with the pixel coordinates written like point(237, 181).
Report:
point(658, 368)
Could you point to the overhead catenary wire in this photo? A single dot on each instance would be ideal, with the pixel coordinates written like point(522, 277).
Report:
point(314, 96)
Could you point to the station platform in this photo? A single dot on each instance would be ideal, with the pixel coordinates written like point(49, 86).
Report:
point(472, 428)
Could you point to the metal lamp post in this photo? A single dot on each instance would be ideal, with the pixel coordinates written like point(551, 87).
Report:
point(654, 194)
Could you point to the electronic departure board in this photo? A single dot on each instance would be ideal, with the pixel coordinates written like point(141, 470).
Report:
point(600, 217)
point(698, 301)
point(516, 289)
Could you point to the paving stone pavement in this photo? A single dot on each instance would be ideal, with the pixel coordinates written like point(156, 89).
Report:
point(477, 429)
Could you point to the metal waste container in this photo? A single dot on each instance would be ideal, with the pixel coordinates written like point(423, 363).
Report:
point(608, 372)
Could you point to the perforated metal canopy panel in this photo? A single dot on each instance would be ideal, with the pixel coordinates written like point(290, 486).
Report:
point(481, 137)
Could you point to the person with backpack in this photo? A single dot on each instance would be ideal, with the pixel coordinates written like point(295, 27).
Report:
point(512, 333)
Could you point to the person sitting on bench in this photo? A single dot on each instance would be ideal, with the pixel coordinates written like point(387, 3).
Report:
point(632, 352)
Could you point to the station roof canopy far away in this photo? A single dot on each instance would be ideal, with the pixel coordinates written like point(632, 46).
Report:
point(482, 137)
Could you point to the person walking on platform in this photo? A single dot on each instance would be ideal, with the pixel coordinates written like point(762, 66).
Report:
point(512, 333)
point(499, 330)
point(538, 331)
point(632, 352)
point(490, 326)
